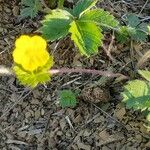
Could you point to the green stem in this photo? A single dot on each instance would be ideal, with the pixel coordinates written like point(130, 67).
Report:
point(60, 4)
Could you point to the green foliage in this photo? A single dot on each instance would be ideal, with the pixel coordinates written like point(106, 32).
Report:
point(101, 18)
point(67, 98)
point(145, 74)
point(82, 6)
point(87, 40)
point(56, 25)
point(85, 25)
point(136, 93)
point(31, 8)
point(134, 30)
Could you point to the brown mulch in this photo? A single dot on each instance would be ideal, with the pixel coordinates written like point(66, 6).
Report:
point(34, 120)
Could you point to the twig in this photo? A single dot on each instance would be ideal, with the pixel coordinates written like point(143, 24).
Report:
point(144, 58)
point(9, 141)
point(45, 5)
point(145, 19)
point(143, 7)
point(108, 51)
point(106, 114)
point(132, 57)
point(5, 71)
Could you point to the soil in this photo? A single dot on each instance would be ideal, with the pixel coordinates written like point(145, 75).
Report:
point(32, 119)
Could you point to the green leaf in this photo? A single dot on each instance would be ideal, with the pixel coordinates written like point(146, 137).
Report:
point(137, 95)
point(123, 34)
point(139, 35)
point(135, 30)
point(126, 33)
point(101, 18)
point(87, 37)
point(145, 74)
point(67, 98)
point(133, 20)
point(82, 6)
point(31, 8)
point(56, 25)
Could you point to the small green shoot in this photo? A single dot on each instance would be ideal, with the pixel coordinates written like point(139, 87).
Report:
point(134, 30)
point(67, 98)
point(31, 8)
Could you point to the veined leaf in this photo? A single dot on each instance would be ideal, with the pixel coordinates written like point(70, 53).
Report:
point(87, 36)
point(123, 34)
point(67, 98)
point(82, 6)
point(137, 95)
point(100, 17)
point(133, 20)
point(126, 32)
point(31, 8)
point(145, 74)
point(56, 25)
point(135, 30)
point(139, 36)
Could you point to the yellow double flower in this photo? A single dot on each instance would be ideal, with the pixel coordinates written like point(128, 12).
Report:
point(31, 52)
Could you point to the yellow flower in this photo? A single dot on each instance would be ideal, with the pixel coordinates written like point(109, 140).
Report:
point(31, 52)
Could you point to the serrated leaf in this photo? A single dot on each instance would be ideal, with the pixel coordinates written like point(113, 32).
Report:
point(126, 32)
point(133, 20)
point(28, 12)
point(67, 98)
point(100, 17)
point(86, 36)
point(123, 33)
point(145, 74)
point(137, 95)
point(143, 26)
point(82, 6)
point(56, 25)
point(31, 8)
point(135, 30)
point(139, 35)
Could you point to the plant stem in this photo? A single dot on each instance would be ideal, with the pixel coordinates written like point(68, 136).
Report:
point(60, 4)
point(8, 72)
